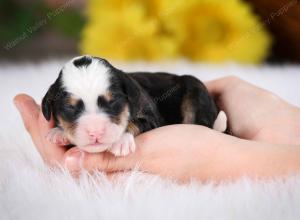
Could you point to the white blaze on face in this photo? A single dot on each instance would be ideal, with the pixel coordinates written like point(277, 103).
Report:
point(94, 127)
point(86, 82)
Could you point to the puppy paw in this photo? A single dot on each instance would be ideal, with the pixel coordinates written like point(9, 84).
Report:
point(124, 146)
point(56, 136)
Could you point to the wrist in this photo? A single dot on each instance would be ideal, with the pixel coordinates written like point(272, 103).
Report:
point(282, 128)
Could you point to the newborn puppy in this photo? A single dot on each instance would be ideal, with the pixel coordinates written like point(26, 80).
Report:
point(98, 107)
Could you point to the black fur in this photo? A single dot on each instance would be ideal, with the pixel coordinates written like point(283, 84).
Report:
point(143, 110)
point(83, 61)
point(52, 96)
point(168, 91)
point(55, 103)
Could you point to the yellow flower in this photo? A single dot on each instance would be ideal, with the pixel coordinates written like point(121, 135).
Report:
point(214, 30)
point(122, 30)
point(206, 30)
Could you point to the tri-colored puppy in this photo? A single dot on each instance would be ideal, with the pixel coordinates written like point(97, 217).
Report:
point(98, 107)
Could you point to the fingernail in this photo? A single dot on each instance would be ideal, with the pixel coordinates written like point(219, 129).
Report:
point(73, 162)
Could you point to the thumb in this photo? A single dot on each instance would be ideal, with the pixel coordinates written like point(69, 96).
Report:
point(75, 160)
point(217, 86)
point(28, 110)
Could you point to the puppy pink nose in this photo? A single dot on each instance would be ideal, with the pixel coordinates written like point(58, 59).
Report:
point(95, 134)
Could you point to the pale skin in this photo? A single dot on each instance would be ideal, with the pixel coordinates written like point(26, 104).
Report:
point(265, 141)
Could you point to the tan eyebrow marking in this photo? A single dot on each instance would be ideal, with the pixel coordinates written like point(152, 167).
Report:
point(73, 100)
point(108, 96)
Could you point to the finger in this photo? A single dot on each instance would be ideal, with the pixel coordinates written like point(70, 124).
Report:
point(76, 159)
point(38, 127)
point(54, 153)
point(217, 86)
point(32, 117)
point(29, 112)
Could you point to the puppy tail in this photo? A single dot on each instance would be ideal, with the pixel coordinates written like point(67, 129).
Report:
point(220, 123)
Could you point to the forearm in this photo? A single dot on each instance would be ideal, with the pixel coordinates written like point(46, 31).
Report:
point(185, 152)
point(236, 158)
point(283, 127)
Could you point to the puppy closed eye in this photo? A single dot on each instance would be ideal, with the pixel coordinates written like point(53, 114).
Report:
point(112, 106)
point(70, 108)
point(117, 101)
point(102, 102)
point(70, 112)
point(113, 102)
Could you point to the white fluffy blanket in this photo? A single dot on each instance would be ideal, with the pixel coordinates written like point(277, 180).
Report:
point(29, 190)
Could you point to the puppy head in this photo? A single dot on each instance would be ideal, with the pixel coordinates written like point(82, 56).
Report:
point(90, 101)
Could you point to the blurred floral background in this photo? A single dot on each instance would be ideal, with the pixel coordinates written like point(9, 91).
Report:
point(252, 31)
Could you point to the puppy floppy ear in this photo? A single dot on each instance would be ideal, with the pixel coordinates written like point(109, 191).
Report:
point(49, 98)
point(133, 92)
point(132, 89)
point(143, 111)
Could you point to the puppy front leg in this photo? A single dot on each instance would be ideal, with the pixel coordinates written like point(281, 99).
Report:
point(124, 146)
point(56, 136)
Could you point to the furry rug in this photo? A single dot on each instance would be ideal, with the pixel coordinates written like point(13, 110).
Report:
point(29, 190)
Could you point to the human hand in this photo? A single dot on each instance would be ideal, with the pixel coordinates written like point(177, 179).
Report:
point(254, 113)
point(180, 152)
point(167, 151)
point(53, 154)
point(38, 128)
